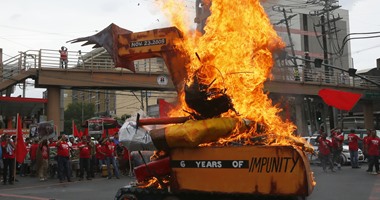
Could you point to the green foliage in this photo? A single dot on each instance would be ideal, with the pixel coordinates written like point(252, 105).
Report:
point(79, 112)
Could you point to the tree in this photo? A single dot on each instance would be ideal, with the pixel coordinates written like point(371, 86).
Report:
point(79, 112)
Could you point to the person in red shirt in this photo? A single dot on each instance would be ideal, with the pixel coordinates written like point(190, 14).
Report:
point(53, 166)
point(8, 147)
point(365, 146)
point(324, 148)
point(100, 154)
point(110, 158)
point(84, 157)
point(353, 147)
point(123, 159)
point(373, 148)
point(33, 156)
point(63, 57)
point(63, 155)
point(44, 160)
point(337, 146)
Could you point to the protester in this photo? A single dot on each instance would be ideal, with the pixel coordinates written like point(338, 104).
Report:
point(63, 59)
point(100, 154)
point(84, 158)
point(33, 156)
point(74, 157)
point(110, 158)
point(365, 146)
point(373, 145)
point(337, 146)
point(8, 146)
point(93, 157)
point(324, 148)
point(53, 165)
point(63, 159)
point(43, 160)
point(123, 159)
point(353, 148)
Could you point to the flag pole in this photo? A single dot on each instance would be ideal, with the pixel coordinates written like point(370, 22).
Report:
point(15, 152)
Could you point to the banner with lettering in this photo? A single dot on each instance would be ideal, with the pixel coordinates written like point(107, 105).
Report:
point(95, 126)
point(46, 130)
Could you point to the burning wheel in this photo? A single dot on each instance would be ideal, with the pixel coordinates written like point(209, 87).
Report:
point(128, 197)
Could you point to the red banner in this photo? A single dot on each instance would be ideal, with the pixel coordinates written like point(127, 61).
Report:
point(20, 145)
point(25, 132)
point(339, 99)
point(76, 133)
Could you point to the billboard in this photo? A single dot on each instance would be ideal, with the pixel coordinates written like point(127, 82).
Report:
point(95, 126)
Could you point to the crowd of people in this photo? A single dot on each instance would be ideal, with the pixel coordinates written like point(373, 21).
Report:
point(330, 150)
point(65, 158)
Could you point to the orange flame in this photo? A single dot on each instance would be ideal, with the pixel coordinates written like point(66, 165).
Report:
point(155, 183)
point(236, 50)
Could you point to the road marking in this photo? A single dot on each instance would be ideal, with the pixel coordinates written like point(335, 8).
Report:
point(23, 196)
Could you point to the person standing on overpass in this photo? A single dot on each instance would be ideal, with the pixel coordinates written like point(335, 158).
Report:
point(63, 59)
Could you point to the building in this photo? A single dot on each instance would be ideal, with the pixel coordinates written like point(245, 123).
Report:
point(303, 26)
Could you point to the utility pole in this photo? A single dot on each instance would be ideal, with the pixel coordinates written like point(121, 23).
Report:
point(142, 100)
point(286, 21)
point(327, 38)
point(290, 37)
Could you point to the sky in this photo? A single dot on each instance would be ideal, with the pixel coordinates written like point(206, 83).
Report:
point(48, 24)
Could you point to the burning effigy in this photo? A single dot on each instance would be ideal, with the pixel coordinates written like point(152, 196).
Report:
point(225, 73)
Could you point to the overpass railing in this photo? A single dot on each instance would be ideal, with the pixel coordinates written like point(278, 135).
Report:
point(320, 76)
point(100, 59)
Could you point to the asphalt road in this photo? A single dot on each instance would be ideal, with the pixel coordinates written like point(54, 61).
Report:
point(31, 188)
point(347, 184)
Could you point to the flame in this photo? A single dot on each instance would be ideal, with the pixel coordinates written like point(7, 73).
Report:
point(155, 183)
point(235, 50)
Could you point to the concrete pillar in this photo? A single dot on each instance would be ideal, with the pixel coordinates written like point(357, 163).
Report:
point(300, 119)
point(368, 114)
point(53, 106)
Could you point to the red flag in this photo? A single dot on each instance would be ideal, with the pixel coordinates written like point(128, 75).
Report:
point(85, 132)
point(104, 133)
point(75, 130)
point(339, 99)
point(164, 107)
point(20, 145)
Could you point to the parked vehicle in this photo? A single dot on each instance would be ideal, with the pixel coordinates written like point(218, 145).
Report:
point(359, 132)
point(346, 158)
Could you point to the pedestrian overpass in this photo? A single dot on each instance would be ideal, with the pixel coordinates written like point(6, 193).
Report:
point(95, 70)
